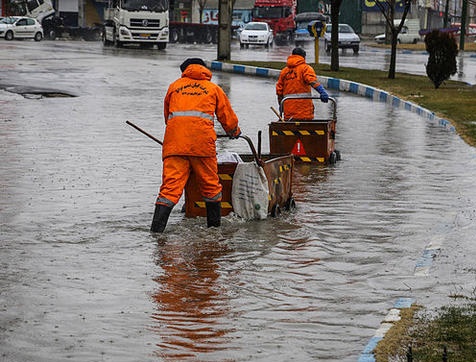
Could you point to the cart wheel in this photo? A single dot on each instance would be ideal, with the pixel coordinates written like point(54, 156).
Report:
point(275, 211)
point(290, 204)
point(338, 156)
point(332, 158)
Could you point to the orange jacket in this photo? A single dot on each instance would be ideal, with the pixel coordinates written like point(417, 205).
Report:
point(297, 78)
point(189, 108)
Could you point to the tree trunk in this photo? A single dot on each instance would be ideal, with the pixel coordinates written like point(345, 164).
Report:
point(224, 30)
point(335, 8)
point(393, 55)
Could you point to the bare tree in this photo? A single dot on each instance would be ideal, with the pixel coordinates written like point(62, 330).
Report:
point(387, 8)
point(335, 9)
point(201, 6)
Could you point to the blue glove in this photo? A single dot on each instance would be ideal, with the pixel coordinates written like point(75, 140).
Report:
point(323, 93)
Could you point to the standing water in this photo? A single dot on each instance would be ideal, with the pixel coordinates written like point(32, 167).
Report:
point(82, 279)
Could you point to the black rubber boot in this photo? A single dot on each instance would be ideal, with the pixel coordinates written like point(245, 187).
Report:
point(161, 216)
point(213, 214)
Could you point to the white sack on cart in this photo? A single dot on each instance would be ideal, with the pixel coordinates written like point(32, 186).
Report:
point(227, 156)
point(250, 191)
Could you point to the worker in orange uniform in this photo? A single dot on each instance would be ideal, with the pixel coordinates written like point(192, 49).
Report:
point(296, 79)
point(189, 141)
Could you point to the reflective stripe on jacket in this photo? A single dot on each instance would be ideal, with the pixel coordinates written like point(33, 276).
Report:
point(189, 108)
point(297, 78)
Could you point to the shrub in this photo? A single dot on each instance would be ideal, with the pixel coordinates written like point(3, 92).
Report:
point(442, 49)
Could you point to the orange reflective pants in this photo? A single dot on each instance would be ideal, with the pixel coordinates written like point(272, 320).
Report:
point(176, 171)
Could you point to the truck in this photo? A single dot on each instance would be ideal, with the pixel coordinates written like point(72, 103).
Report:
point(143, 22)
point(410, 33)
point(279, 14)
point(53, 25)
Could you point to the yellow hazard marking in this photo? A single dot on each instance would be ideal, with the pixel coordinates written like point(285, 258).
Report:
point(285, 167)
point(225, 177)
point(309, 159)
point(302, 132)
point(224, 205)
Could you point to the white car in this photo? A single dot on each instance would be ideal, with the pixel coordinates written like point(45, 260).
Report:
point(20, 27)
point(256, 33)
point(348, 39)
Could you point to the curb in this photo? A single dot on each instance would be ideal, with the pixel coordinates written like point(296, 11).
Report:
point(341, 85)
point(392, 317)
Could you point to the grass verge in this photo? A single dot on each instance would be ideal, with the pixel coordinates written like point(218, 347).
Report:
point(453, 100)
point(449, 334)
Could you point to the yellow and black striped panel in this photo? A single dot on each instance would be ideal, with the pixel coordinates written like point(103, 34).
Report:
point(309, 159)
point(285, 167)
point(225, 177)
point(301, 132)
point(202, 205)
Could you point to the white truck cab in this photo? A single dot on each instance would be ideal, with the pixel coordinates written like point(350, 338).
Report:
point(409, 33)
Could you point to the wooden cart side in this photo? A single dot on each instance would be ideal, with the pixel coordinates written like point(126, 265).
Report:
point(194, 204)
point(308, 141)
point(279, 174)
point(278, 170)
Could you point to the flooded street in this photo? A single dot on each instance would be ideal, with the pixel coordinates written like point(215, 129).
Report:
point(82, 279)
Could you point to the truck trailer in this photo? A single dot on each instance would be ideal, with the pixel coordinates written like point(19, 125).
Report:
point(279, 14)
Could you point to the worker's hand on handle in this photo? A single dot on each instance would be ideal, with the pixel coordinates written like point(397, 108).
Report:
point(323, 93)
point(235, 133)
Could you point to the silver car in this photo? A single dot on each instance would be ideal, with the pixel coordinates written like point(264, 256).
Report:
point(20, 27)
point(347, 38)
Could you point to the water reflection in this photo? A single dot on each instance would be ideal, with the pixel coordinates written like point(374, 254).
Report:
point(189, 299)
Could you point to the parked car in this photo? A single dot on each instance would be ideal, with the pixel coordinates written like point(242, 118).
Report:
point(20, 27)
point(256, 33)
point(348, 39)
point(408, 35)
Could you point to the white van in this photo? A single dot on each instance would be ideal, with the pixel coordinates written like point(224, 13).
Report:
point(408, 35)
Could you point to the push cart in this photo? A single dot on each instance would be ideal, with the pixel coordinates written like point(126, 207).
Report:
point(308, 140)
point(278, 169)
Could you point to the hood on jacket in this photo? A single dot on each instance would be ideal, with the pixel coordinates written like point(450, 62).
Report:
point(294, 60)
point(197, 71)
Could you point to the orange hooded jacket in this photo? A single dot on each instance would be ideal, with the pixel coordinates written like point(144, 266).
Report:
point(189, 108)
point(297, 78)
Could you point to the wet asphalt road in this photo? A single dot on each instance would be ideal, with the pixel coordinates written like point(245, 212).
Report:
point(83, 280)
